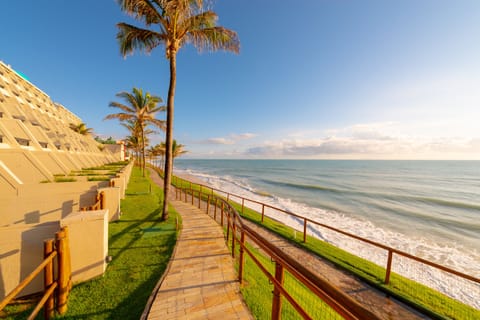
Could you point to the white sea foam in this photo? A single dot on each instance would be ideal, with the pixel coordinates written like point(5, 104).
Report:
point(452, 255)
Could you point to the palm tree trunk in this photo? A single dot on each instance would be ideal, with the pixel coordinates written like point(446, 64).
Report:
point(143, 149)
point(169, 134)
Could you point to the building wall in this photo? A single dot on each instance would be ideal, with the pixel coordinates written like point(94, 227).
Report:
point(36, 143)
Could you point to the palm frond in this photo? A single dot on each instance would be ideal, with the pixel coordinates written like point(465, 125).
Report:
point(131, 38)
point(161, 124)
point(119, 116)
point(214, 39)
point(141, 10)
point(121, 106)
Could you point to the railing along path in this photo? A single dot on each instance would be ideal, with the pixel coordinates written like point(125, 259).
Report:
point(208, 194)
point(241, 236)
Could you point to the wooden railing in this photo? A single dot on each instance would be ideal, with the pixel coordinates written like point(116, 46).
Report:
point(461, 277)
point(241, 235)
point(56, 291)
point(99, 204)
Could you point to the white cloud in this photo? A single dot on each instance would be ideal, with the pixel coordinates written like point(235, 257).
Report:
point(219, 141)
point(372, 141)
point(230, 139)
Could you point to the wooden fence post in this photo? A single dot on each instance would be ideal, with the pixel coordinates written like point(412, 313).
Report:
point(221, 217)
point(199, 198)
point(49, 307)
point(389, 266)
point(103, 200)
point(305, 230)
point(277, 298)
point(241, 262)
point(64, 268)
point(228, 226)
point(208, 204)
point(234, 229)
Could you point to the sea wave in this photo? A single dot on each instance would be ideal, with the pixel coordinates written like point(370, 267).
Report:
point(303, 186)
point(451, 254)
point(401, 198)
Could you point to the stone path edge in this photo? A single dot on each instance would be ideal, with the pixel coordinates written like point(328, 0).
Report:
point(152, 296)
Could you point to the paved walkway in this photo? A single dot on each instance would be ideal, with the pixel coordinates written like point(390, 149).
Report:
point(201, 282)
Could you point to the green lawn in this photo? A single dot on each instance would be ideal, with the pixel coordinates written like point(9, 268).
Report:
point(140, 246)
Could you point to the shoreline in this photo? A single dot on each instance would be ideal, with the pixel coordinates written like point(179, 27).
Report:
point(189, 177)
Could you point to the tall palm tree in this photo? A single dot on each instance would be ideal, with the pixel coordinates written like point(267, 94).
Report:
point(177, 22)
point(140, 110)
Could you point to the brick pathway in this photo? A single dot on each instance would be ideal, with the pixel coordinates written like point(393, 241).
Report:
point(201, 282)
point(381, 304)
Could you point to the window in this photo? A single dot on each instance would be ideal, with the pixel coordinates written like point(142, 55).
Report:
point(4, 92)
point(23, 142)
point(19, 117)
point(43, 144)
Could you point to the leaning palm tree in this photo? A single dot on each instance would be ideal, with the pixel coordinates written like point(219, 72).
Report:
point(159, 150)
point(133, 143)
point(140, 110)
point(177, 22)
point(81, 128)
point(136, 131)
point(177, 149)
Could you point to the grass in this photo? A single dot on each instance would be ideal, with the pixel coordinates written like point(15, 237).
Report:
point(140, 246)
point(64, 179)
point(98, 178)
point(257, 292)
point(429, 300)
point(107, 171)
point(139, 259)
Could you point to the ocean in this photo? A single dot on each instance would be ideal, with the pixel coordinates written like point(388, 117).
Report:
point(430, 209)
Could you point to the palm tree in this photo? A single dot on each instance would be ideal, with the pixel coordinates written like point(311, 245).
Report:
point(136, 131)
point(178, 22)
point(81, 128)
point(133, 143)
point(139, 112)
point(159, 150)
point(177, 149)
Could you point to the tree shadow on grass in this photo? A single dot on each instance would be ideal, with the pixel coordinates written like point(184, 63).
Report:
point(136, 223)
point(133, 304)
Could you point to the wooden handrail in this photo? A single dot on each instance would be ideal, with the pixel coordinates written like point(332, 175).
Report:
point(225, 198)
point(25, 282)
point(348, 234)
point(60, 251)
point(337, 300)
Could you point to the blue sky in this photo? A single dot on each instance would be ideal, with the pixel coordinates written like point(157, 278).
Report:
point(314, 79)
